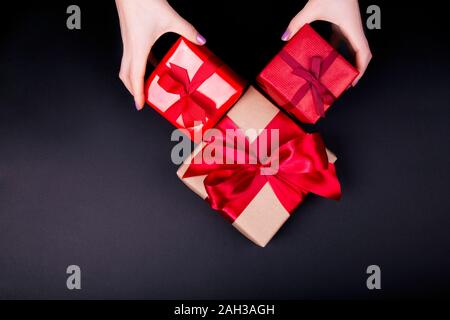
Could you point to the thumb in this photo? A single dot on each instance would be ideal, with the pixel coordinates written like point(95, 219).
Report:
point(306, 15)
point(187, 30)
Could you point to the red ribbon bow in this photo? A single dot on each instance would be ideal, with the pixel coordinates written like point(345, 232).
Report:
point(319, 92)
point(302, 168)
point(193, 106)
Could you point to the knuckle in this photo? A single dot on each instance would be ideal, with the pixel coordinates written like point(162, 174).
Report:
point(135, 82)
point(136, 75)
point(368, 57)
point(122, 76)
point(296, 20)
point(136, 86)
point(367, 52)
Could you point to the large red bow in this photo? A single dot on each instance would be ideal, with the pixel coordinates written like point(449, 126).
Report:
point(193, 106)
point(302, 168)
point(320, 93)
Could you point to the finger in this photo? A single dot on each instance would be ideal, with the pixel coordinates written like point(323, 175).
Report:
point(123, 74)
point(363, 57)
point(306, 15)
point(187, 30)
point(357, 41)
point(137, 85)
point(137, 73)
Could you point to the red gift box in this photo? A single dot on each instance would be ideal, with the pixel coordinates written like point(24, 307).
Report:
point(257, 192)
point(306, 76)
point(192, 88)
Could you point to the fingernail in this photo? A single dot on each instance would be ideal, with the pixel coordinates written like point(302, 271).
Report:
point(200, 39)
point(285, 35)
point(138, 107)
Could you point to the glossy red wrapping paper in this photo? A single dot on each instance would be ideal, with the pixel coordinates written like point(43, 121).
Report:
point(192, 88)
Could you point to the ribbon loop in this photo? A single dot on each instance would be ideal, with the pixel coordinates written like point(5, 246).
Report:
point(193, 106)
point(302, 168)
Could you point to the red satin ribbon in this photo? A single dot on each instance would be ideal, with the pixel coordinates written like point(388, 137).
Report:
point(302, 168)
point(320, 93)
point(193, 106)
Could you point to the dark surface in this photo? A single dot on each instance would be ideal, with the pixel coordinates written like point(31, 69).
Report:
point(87, 180)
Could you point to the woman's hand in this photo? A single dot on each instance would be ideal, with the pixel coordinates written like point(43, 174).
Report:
point(345, 15)
point(142, 22)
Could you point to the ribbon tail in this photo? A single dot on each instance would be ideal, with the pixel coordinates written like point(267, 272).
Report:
point(318, 102)
point(323, 183)
point(303, 168)
point(206, 103)
point(175, 110)
point(193, 113)
point(288, 195)
point(230, 191)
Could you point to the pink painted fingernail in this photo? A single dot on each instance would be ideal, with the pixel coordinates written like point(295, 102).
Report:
point(200, 39)
point(285, 36)
point(137, 107)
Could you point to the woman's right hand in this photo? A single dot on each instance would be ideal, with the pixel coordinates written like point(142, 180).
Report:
point(142, 22)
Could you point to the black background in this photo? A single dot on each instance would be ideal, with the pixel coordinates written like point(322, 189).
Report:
point(85, 179)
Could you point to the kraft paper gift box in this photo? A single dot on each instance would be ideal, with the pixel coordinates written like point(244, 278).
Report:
point(192, 88)
point(257, 203)
point(306, 76)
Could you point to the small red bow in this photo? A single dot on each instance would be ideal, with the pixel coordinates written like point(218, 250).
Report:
point(193, 106)
point(319, 92)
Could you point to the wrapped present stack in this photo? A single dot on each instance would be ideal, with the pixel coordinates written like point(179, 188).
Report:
point(253, 163)
point(257, 203)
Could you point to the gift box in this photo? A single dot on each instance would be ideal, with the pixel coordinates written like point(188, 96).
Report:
point(306, 76)
point(256, 196)
point(192, 88)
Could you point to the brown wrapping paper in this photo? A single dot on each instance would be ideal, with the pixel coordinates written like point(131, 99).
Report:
point(264, 215)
